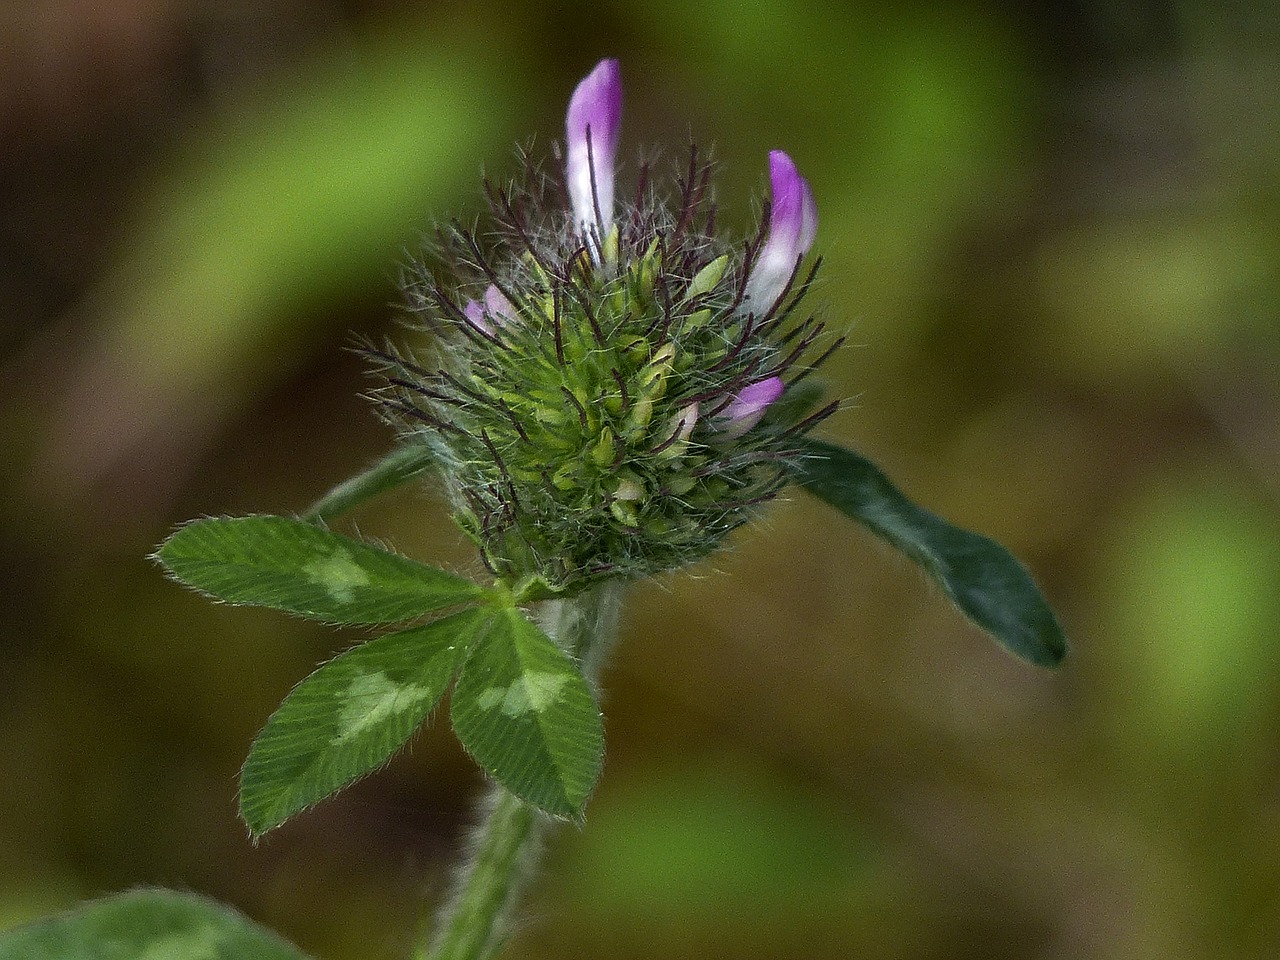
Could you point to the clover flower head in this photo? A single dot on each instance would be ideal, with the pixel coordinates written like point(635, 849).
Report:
point(602, 381)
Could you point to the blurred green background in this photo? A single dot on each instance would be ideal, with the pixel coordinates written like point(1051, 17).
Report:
point(1053, 234)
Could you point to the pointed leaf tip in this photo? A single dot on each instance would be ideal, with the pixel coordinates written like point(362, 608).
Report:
point(398, 467)
point(981, 577)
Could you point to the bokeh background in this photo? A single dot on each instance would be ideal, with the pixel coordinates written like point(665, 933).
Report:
point(1053, 233)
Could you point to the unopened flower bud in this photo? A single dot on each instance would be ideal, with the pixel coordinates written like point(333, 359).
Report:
point(793, 223)
point(592, 128)
point(749, 405)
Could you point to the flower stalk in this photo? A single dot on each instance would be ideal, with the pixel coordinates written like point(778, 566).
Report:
point(504, 851)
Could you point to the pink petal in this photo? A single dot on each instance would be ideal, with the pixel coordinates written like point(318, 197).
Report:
point(492, 312)
point(596, 104)
point(749, 405)
point(793, 224)
point(474, 312)
point(496, 305)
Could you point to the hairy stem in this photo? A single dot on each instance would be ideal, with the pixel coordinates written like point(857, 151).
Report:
point(505, 846)
point(504, 850)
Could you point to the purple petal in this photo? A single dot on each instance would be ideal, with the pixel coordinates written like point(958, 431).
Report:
point(474, 312)
point(749, 405)
point(495, 310)
point(596, 104)
point(793, 223)
point(496, 305)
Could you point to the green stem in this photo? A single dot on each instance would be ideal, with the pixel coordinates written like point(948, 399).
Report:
point(504, 848)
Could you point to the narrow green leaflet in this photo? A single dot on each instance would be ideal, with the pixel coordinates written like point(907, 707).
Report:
point(395, 469)
point(300, 568)
point(981, 577)
point(523, 710)
point(350, 716)
point(147, 925)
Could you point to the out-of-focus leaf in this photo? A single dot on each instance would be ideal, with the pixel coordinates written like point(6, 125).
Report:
point(147, 925)
point(297, 567)
point(523, 710)
point(350, 716)
point(293, 197)
point(981, 577)
point(1192, 569)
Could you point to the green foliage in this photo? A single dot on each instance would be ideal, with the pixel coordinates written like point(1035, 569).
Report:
point(728, 842)
point(398, 467)
point(299, 568)
point(981, 577)
point(522, 707)
point(147, 925)
point(1192, 569)
point(350, 716)
point(524, 711)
